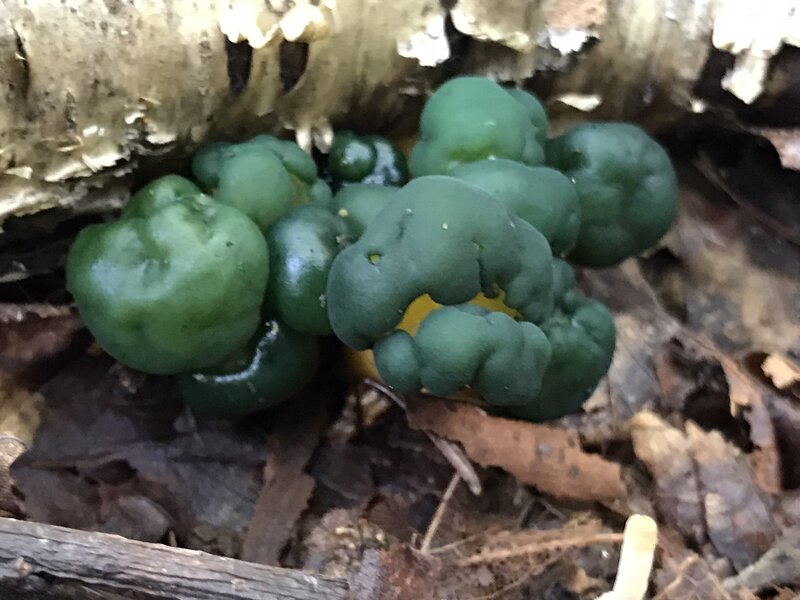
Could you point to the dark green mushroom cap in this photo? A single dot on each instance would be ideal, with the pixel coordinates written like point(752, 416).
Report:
point(358, 204)
point(455, 346)
point(174, 289)
point(207, 162)
point(366, 159)
point(472, 118)
point(275, 366)
point(263, 177)
point(533, 154)
point(442, 237)
point(159, 193)
point(541, 196)
point(582, 337)
point(321, 193)
point(626, 185)
point(302, 247)
point(294, 158)
point(258, 185)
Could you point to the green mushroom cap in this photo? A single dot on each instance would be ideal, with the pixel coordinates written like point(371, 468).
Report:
point(456, 346)
point(582, 337)
point(263, 177)
point(207, 162)
point(293, 157)
point(302, 247)
point(320, 193)
point(472, 118)
point(626, 185)
point(159, 193)
point(533, 153)
point(175, 289)
point(366, 159)
point(279, 363)
point(541, 196)
point(258, 185)
point(442, 237)
point(358, 204)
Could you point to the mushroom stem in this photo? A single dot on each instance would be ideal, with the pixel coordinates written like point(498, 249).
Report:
point(636, 559)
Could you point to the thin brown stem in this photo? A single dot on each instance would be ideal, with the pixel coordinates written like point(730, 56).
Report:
point(439, 514)
point(539, 547)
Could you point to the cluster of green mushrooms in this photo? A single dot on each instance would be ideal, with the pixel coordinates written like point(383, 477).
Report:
point(229, 281)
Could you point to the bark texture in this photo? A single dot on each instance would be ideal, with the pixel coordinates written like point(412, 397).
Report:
point(47, 562)
point(90, 87)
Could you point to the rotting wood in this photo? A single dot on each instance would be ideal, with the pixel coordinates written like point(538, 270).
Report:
point(126, 84)
point(48, 562)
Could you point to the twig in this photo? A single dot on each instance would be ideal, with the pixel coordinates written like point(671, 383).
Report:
point(538, 548)
point(451, 451)
point(54, 563)
point(458, 460)
point(458, 543)
point(437, 516)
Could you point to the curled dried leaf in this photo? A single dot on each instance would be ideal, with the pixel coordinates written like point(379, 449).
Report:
point(547, 457)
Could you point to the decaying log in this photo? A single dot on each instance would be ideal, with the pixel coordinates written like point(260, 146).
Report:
point(44, 562)
point(89, 87)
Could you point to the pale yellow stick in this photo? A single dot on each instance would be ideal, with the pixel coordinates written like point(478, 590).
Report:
point(635, 560)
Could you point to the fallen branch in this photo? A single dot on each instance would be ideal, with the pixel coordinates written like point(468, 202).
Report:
point(55, 563)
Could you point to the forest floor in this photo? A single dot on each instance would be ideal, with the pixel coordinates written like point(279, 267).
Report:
point(697, 424)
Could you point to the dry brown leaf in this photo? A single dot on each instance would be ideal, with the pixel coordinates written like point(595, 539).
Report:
point(20, 410)
point(32, 332)
point(693, 581)
point(696, 369)
point(666, 453)
point(287, 488)
point(543, 456)
point(747, 393)
point(19, 418)
point(113, 457)
point(10, 449)
point(739, 519)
